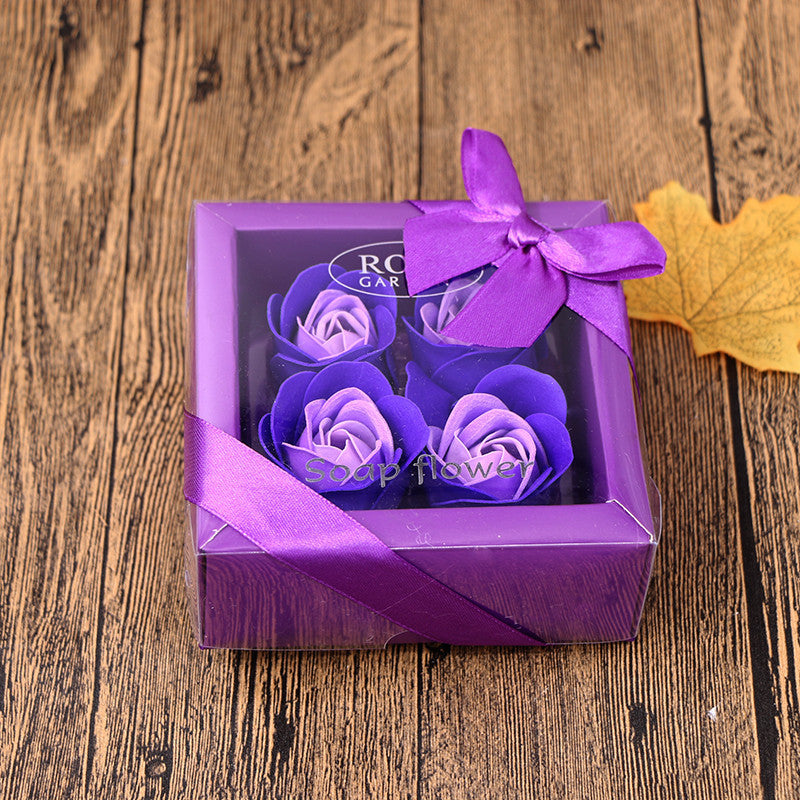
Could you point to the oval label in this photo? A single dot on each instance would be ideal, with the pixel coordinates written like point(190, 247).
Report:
point(382, 265)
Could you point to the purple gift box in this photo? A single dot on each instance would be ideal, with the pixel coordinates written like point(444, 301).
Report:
point(562, 553)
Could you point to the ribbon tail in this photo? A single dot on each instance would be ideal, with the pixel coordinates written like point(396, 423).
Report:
point(602, 304)
point(514, 306)
point(301, 529)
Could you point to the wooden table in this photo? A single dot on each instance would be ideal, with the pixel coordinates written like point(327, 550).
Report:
point(113, 120)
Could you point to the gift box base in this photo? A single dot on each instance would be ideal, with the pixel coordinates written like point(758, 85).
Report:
point(575, 570)
point(567, 592)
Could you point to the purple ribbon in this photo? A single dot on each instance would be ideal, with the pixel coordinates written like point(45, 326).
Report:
point(300, 528)
point(538, 270)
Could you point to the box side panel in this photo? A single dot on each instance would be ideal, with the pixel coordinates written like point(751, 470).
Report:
point(562, 593)
point(212, 352)
point(370, 216)
point(254, 602)
point(192, 573)
point(645, 585)
point(211, 384)
point(620, 442)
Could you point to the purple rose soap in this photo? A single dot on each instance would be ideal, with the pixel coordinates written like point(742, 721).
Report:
point(501, 439)
point(325, 318)
point(343, 431)
point(414, 422)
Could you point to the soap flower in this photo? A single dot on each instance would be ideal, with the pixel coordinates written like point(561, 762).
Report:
point(431, 347)
point(324, 318)
point(435, 313)
point(343, 432)
point(496, 436)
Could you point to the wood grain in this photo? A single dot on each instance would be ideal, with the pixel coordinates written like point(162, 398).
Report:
point(753, 76)
point(67, 90)
point(602, 100)
point(279, 101)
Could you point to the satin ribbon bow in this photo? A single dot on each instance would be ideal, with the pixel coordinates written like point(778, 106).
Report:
point(538, 269)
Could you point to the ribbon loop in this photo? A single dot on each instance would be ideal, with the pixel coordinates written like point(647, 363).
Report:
point(446, 243)
point(497, 191)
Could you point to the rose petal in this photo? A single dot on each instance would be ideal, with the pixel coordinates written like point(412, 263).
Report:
point(428, 314)
point(333, 405)
point(456, 451)
point(265, 437)
point(298, 461)
point(408, 427)
point(305, 287)
point(495, 488)
point(336, 323)
point(346, 374)
point(385, 326)
point(463, 374)
point(290, 359)
point(495, 425)
point(525, 391)
point(378, 297)
point(287, 410)
point(555, 441)
point(495, 437)
point(274, 314)
point(481, 469)
point(362, 437)
point(518, 444)
point(337, 339)
point(431, 356)
point(465, 410)
point(346, 414)
point(286, 317)
point(433, 401)
point(447, 494)
point(368, 415)
point(312, 420)
point(481, 433)
point(349, 417)
point(437, 313)
point(507, 489)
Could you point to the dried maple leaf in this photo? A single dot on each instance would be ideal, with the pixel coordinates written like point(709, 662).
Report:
point(735, 287)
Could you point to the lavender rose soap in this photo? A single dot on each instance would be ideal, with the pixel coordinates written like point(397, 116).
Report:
point(415, 421)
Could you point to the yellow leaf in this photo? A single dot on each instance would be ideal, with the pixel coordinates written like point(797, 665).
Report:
point(735, 287)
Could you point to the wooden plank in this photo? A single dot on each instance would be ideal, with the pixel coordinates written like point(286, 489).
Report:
point(274, 101)
point(601, 100)
point(752, 56)
point(67, 91)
